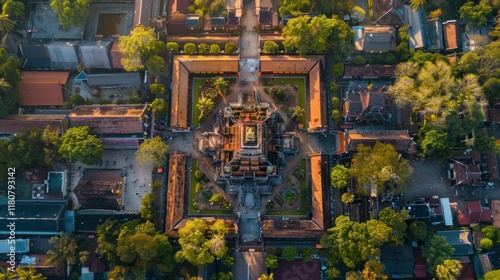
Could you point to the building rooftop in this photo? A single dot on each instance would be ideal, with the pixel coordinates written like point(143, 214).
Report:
point(99, 190)
point(400, 139)
point(63, 55)
point(452, 35)
point(20, 123)
point(460, 240)
point(175, 189)
point(42, 88)
point(94, 54)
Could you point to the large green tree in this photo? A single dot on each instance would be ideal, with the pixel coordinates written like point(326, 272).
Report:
point(147, 210)
point(9, 80)
point(159, 107)
point(65, 251)
point(29, 273)
point(340, 176)
point(305, 34)
point(136, 48)
point(78, 144)
point(449, 270)
point(396, 221)
point(354, 243)
point(492, 275)
point(71, 12)
point(436, 251)
point(380, 166)
point(152, 152)
point(196, 247)
point(476, 14)
point(445, 106)
point(15, 9)
point(271, 47)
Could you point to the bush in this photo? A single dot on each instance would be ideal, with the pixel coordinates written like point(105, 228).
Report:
point(156, 185)
point(103, 101)
point(214, 49)
point(334, 87)
point(173, 47)
point(270, 47)
point(119, 101)
point(289, 253)
point(134, 98)
point(335, 115)
point(486, 243)
point(338, 69)
point(189, 48)
point(199, 175)
point(230, 48)
point(358, 60)
point(307, 254)
point(76, 99)
point(335, 102)
point(89, 101)
point(157, 89)
point(68, 105)
point(203, 48)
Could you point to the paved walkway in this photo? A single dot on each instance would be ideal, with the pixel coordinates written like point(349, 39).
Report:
point(249, 44)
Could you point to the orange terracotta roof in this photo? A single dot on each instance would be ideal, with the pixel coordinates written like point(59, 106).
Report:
point(42, 88)
point(176, 184)
point(317, 190)
point(22, 123)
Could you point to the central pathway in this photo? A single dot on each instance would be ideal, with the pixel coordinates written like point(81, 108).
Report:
point(249, 44)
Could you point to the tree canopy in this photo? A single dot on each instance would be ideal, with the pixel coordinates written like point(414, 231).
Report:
point(304, 34)
point(78, 144)
point(380, 166)
point(271, 47)
point(159, 107)
point(138, 47)
point(289, 253)
point(396, 221)
point(476, 14)
point(449, 270)
point(492, 275)
point(71, 12)
point(340, 176)
point(354, 243)
point(445, 106)
point(133, 248)
point(436, 251)
point(196, 247)
point(152, 152)
point(9, 80)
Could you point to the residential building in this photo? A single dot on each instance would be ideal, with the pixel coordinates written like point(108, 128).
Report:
point(435, 35)
point(42, 89)
point(375, 38)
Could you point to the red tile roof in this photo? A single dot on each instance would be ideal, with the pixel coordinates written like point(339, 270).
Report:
point(42, 88)
point(116, 56)
point(474, 211)
point(485, 216)
point(467, 269)
point(463, 213)
point(420, 264)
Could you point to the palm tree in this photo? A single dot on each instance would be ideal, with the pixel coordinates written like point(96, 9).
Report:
point(65, 251)
point(414, 4)
point(297, 113)
point(29, 274)
point(6, 274)
point(6, 24)
point(205, 105)
point(267, 277)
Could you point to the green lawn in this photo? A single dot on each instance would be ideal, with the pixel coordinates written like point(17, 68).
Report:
point(195, 113)
point(301, 82)
point(303, 197)
point(192, 196)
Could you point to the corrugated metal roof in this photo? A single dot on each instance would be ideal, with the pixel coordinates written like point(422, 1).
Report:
point(62, 55)
point(95, 54)
point(114, 80)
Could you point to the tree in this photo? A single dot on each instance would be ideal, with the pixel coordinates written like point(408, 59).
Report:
point(334, 88)
point(65, 251)
point(396, 221)
point(216, 198)
point(7, 274)
point(14, 9)
point(29, 273)
point(155, 65)
point(298, 113)
point(294, 7)
point(435, 144)
point(152, 152)
point(271, 261)
point(476, 14)
point(159, 107)
point(157, 89)
point(222, 276)
point(358, 13)
point(415, 4)
point(230, 48)
point(492, 88)
point(335, 115)
point(354, 243)
point(79, 145)
point(173, 47)
point(9, 80)
point(307, 254)
point(222, 86)
point(266, 277)
point(381, 167)
point(358, 60)
point(71, 12)
point(135, 47)
point(147, 210)
point(469, 63)
point(6, 24)
point(418, 231)
point(374, 270)
point(214, 49)
point(306, 34)
point(449, 270)
point(347, 198)
point(338, 69)
point(491, 232)
point(492, 275)
point(486, 243)
point(156, 47)
point(189, 48)
point(271, 47)
point(289, 253)
point(436, 251)
point(205, 105)
point(435, 14)
point(196, 248)
point(203, 48)
point(340, 177)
